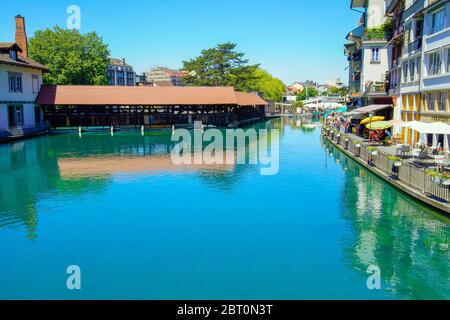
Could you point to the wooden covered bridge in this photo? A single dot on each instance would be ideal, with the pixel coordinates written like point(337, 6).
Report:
point(110, 106)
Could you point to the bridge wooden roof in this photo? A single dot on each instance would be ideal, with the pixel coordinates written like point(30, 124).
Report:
point(141, 96)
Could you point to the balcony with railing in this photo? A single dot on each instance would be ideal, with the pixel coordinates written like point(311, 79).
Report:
point(377, 36)
point(414, 46)
point(390, 5)
point(432, 2)
point(393, 82)
point(414, 8)
point(397, 54)
point(355, 57)
point(375, 88)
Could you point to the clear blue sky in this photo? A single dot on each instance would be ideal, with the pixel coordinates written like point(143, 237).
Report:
point(292, 39)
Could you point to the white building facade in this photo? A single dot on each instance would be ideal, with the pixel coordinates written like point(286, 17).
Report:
point(20, 83)
point(368, 54)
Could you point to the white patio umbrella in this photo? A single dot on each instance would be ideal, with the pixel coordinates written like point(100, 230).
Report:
point(398, 123)
point(333, 105)
point(435, 128)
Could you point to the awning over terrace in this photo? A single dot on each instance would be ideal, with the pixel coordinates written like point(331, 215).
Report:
point(434, 129)
point(372, 108)
point(429, 128)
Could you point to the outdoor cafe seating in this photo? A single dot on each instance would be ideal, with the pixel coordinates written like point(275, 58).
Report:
point(404, 151)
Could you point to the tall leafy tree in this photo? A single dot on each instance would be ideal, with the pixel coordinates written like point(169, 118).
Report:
point(271, 87)
point(311, 92)
point(339, 91)
point(221, 66)
point(73, 58)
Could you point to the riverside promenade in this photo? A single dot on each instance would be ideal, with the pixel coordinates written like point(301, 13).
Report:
point(408, 177)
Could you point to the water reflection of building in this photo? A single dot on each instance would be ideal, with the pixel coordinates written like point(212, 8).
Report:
point(405, 239)
point(40, 169)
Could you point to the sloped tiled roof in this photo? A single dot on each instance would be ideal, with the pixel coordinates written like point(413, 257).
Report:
point(249, 99)
point(21, 62)
point(7, 45)
point(119, 62)
point(135, 96)
point(170, 72)
point(163, 84)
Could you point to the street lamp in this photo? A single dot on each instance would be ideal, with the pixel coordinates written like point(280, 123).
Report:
point(371, 115)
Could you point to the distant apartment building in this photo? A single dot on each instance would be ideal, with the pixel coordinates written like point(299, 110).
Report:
point(299, 87)
point(367, 54)
point(323, 89)
point(20, 83)
point(160, 76)
point(336, 83)
point(295, 88)
point(120, 73)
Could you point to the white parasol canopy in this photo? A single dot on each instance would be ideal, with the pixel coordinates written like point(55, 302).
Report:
point(429, 128)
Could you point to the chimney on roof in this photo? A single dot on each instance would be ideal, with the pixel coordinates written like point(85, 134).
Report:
point(21, 35)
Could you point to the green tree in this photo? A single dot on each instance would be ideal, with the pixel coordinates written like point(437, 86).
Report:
point(310, 92)
point(221, 66)
point(271, 87)
point(298, 104)
point(338, 91)
point(73, 58)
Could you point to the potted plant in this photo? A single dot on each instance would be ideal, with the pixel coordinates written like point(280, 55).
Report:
point(396, 161)
point(445, 178)
point(435, 176)
point(346, 140)
point(357, 143)
point(372, 152)
point(396, 164)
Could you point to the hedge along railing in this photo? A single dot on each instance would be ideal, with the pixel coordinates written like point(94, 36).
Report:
point(414, 177)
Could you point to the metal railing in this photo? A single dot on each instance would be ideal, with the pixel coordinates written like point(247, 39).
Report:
point(431, 2)
point(375, 88)
point(413, 176)
point(415, 45)
point(390, 4)
point(415, 7)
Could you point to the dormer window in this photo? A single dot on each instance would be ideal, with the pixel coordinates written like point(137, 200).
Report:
point(13, 55)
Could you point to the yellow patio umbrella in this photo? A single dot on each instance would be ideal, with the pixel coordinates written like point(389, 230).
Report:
point(380, 125)
point(373, 119)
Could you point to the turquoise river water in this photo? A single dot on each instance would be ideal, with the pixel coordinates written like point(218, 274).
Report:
point(138, 228)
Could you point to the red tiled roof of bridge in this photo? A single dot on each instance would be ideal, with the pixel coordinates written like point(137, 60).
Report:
point(249, 99)
point(159, 96)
